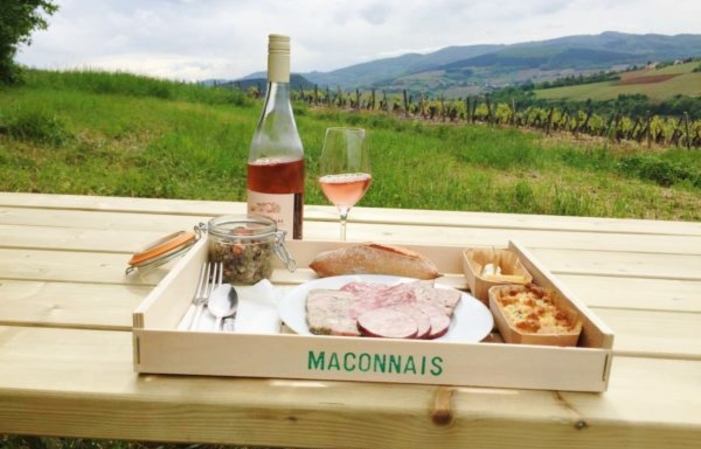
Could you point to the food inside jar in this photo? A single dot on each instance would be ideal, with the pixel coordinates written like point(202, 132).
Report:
point(246, 260)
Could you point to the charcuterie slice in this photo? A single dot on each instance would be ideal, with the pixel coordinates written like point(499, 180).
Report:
point(387, 322)
point(381, 310)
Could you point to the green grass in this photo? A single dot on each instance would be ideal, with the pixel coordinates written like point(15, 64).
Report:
point(126, 84)
point(120, 135)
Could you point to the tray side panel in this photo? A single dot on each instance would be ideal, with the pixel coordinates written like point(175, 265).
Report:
point(595, 333)
point(372, 360)
point(165, 305)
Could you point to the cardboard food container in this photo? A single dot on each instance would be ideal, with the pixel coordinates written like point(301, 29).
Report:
point(511, 334)
point(161, 348)
point(512, 270)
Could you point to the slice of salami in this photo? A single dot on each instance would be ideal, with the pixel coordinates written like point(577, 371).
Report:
point(423, 321)
point(387, 322)
point(440, 322)
point(368, 296)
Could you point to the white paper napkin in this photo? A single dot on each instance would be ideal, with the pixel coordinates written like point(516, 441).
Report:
point(257, 312)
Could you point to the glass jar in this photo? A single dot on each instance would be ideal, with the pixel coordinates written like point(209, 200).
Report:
point(247, 246)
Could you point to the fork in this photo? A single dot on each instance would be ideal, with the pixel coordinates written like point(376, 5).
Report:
point(205, 288)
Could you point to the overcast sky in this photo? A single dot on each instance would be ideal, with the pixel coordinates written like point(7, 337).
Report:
point(201, 39)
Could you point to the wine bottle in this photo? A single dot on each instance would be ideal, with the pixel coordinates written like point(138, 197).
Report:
point(276, 156)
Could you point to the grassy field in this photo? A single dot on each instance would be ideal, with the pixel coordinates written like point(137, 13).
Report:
point(117, 134)
point(658, 84)
point(123, 135)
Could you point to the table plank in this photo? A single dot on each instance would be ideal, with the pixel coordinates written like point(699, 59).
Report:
point(69, 266)
point(69, 304)
point(153, 206)
point(622, 265)
point(654, 334)
point(97, 230)
point(639, 293)
point(64, 382)
point(148, 206)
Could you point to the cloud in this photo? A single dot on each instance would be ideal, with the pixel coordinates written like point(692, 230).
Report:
point(376, 13)
point(196, 39)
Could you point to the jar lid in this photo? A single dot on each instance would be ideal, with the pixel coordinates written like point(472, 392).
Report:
point(162, 250)
point(242, 226)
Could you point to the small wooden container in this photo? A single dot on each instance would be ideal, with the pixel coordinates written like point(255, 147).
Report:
point(511, 334)
point(513, 272)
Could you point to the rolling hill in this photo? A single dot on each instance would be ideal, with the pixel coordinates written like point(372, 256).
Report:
point(460, 70)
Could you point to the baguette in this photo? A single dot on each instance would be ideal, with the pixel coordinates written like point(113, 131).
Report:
point(373, 258)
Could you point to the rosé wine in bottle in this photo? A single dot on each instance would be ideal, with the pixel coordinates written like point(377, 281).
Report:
point(276, 156)
point(278, 178)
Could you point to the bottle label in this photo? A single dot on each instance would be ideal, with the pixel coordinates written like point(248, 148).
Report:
point(279, 207)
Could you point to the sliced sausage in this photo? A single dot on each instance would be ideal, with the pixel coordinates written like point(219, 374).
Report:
point(440, 322)
point(387, 322)
point(423, 322)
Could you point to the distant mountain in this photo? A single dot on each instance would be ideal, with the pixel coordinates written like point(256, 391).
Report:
point(260, 81)
point(368, 73)
point(460, 70)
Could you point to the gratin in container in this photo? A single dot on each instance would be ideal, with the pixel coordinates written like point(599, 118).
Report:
point(246, 245)
point(511, 334)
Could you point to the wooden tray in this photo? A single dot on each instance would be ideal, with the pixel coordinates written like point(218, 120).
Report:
point(160, 348)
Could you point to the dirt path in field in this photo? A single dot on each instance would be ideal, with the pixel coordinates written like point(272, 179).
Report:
point(647, 79)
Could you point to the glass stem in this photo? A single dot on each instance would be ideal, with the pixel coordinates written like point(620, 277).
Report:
point(344, 220)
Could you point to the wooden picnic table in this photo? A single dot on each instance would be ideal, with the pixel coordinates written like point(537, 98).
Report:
point(66, 365)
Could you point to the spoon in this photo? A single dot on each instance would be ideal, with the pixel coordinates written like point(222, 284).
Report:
point(222, 303)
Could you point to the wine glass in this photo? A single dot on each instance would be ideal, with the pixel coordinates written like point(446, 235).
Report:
point(344, 169)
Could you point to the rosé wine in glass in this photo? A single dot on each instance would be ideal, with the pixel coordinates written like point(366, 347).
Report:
point(344, 169)
point(345, 189)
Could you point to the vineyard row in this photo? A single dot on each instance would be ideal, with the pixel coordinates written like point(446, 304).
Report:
point(663, 131)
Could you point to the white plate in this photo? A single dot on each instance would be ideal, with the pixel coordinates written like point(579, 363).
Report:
point(472, 320)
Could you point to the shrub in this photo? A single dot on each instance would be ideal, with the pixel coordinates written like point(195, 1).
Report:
point(662, 172)
point(37, 126)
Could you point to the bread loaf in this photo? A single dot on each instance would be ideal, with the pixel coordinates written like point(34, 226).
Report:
point(373, 258)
